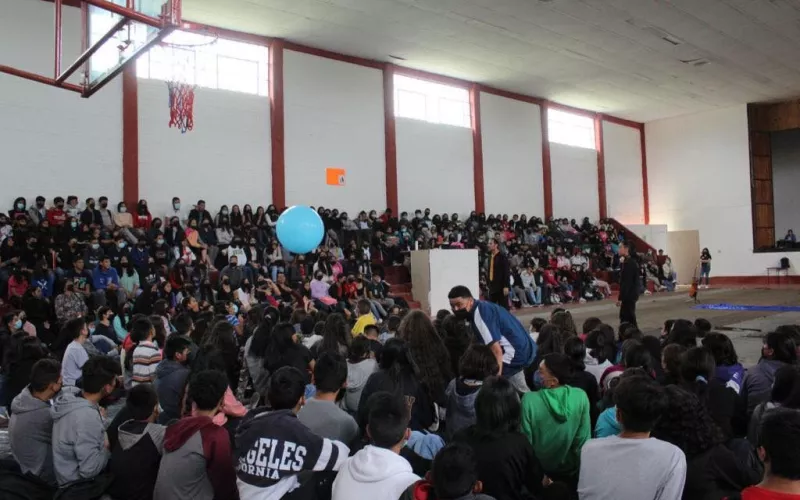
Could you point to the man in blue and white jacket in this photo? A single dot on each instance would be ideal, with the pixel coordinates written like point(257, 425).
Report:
point(497, 328)
point(273, 447)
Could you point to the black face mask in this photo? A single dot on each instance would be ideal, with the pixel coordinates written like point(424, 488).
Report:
point(461, 314)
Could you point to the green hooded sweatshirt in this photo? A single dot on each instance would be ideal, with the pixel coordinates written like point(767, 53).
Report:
point(556, 422)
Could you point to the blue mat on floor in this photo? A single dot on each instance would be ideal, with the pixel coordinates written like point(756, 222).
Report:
point(738, 307)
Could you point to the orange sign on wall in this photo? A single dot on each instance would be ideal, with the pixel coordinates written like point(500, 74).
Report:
point(334, 176)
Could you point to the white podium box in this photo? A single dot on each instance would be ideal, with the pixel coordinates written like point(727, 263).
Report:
point(435, 272)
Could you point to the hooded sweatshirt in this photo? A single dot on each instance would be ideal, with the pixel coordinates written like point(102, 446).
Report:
point(758, 382)
point(357, 376)
point(135, 460)
point(374, 473)
point(197, 462)
point(272, 447)
point(424, 490)
point(169, 384)
point(461, 404)
point(556, 422)
point(731, 375)
point(30, 434)
point(79, 450)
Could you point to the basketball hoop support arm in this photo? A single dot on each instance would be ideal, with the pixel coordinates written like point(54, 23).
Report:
point(166, 24)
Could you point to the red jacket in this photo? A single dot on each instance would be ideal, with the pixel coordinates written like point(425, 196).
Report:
point(56, 216)
point(142, 221)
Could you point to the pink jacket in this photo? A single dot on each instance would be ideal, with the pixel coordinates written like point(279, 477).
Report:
point(230, 407)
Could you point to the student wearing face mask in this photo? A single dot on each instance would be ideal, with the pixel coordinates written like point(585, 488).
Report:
point(90, 215)
point(142, 219)
point(106, 217)
point(176, 209)
point(56, 214)
point(93, 255)
point(160, 252)
point(37, 213)
point(19, 210)
point(496, 327)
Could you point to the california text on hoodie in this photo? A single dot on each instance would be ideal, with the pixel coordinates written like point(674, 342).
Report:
point(135, 460)
point(461, 396)
point(78, 437)
point(557, 424)
point(273, 447)
point(30, 434)
point(197, 462)
point(169, 384)
point(373, 473)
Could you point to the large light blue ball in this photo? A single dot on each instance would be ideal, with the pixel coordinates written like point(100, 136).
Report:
point(300, 229)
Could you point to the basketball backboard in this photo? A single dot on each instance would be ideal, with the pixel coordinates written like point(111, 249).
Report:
point(114, 34)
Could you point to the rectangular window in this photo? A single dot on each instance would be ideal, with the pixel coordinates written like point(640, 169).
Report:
point(432, 102)
point(208, 62)
point(570, 129)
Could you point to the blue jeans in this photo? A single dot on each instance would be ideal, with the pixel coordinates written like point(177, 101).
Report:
point(534, 295)
point(705, 270)
point(274, 270)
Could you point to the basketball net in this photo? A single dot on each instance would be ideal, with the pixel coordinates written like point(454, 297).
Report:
point(181, 91)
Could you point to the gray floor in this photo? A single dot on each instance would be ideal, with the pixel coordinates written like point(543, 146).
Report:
point(746, 328)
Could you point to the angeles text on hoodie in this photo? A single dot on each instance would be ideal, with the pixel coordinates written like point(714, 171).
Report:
point(373, 473)
point(197, 462)
point(30, 432)
point(557, 424)
point(78, 437)
point(272, 447)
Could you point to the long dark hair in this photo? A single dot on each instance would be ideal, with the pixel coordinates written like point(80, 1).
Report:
point(261, 336)
point(722, 348)
point(281, 340)
point(497, 408)
point(427, 351)
point(687, 423)
point(336, 334)
point(601, 344)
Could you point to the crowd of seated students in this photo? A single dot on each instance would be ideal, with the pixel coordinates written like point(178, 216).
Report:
point(259, 389)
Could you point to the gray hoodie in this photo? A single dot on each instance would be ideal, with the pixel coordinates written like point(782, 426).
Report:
point(30, 434)
point(79, 450)
point(357, 376)
point(461, 405)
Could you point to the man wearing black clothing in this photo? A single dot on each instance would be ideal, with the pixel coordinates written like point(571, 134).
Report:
point(90, 216)
point(499, 279)
point(628, 285)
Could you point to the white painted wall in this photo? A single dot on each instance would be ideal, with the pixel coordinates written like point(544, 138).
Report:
point(653, 234)
point(434, 167)
point(699, 178)
point(574, 178)
point(623, 166)
point(786, 180)
point(225, 160)
point(512, 156)
point(54, 143)
point(333, 118)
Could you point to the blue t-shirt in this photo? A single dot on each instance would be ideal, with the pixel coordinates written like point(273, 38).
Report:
point(492, 323)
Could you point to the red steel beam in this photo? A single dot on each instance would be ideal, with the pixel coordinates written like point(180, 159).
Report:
point(601, 166)
point(477, 148)
point(39, 78)
point(390, 139)
point(547, 177)
point(277, 124)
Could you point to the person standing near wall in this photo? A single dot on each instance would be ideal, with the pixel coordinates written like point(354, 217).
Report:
point(705, 267)
point(628, 285)
point(499, 279)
